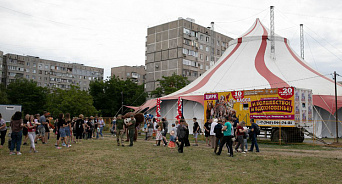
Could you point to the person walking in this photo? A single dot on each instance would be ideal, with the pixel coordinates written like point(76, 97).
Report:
point(113, 126)
point(120, 130)
point(240, 132)
point(31, 128)
point(150, 129)
point(100, 126)
point(165, 124)
point(17, 132)
point(25, 130)
point(181, 134)
point(212, 133)
point(254, 133)
point(3, 130)
point(207, 127)
point(227, 138)
point(41, 127)
point(80, 128)
point(131, 129)
point(195, 131)
point(68, 128)
point(218, 134)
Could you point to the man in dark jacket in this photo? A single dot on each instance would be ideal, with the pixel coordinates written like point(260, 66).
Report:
point(181, 134)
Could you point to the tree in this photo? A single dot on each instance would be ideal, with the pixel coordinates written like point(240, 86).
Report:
point(107, 94)
point(73, 101)
point(26, 93)
point(3, 95)
point(169, 85)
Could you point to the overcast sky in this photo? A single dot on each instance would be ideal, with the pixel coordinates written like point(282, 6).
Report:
point(107, 33)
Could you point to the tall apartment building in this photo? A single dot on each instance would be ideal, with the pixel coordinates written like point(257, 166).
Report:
point(182, 47)
point(135, 73)
point(48, 73)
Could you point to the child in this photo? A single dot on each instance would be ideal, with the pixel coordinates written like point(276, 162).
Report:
point(172, 143)
point(159, 136)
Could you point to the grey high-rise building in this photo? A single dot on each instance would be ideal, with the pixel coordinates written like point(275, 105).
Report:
point(48, 73)
point(181, 47)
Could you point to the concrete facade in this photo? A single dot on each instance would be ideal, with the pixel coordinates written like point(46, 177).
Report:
point(48, 73)
point(135, 73)
point(182, 47)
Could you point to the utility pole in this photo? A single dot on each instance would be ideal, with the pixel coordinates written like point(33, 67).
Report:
point(336, 106)
point(122, 102)
point(272, 32)
point(301, 41)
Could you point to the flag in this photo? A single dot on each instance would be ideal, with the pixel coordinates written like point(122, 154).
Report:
point(158, 110)
point(179, 109)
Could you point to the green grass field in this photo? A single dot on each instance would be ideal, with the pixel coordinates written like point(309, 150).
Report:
point(101, 161)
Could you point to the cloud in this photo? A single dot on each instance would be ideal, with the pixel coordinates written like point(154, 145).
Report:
point(109, 33)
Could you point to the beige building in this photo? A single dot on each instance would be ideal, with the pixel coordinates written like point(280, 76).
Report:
point(135, 73)
point(48, 73)
point(182, 47)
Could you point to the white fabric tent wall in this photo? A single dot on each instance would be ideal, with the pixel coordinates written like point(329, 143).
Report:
point(168, 109)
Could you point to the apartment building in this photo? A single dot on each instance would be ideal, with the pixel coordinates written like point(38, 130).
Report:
point(48, 73)
point(182, 47)
point(135, 73)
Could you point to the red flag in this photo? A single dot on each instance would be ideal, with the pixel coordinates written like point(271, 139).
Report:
point(158, 110)
point(179, 108)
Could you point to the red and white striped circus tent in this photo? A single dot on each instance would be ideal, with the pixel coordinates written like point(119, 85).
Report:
point(247, 64)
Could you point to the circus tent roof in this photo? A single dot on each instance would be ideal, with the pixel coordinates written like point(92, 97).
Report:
point(247, 64)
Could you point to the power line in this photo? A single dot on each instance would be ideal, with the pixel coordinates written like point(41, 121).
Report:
point(49, 20)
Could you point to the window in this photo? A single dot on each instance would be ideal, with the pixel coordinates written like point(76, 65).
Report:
point(52, 67)
point(201, 37)
point(201, 56)
point(40, 65)
point(206, 58)
point(207, 48)
point(201, 47)
point(34, 71)
point(28, 64)
point(128, 74)
point(33, 77)
point(27, 77)
point(186, 31)
point(34, 65)
point(185, 51)
point(46, 66)
point(207, 39)
point(27, 70)
point(186, 62)
point(218, 52)
point(201, 67)
point(206, 67)
point(218, 43)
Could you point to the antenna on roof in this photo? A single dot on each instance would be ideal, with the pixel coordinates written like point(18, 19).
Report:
point(301, 41)
point(272, 32)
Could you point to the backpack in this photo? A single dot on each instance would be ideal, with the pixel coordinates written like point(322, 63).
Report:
point(218, 131)
point(256, 129)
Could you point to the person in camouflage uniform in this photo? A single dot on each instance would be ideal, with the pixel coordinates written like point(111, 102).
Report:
point(120, 130)
point(131, 129)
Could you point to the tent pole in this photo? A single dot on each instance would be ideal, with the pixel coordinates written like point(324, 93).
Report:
point(336, 107)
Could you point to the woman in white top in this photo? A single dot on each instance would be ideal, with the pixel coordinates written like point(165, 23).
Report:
point(31, 126)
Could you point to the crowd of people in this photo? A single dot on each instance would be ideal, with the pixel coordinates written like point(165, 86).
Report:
point(37, 128)
point(218, 132)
